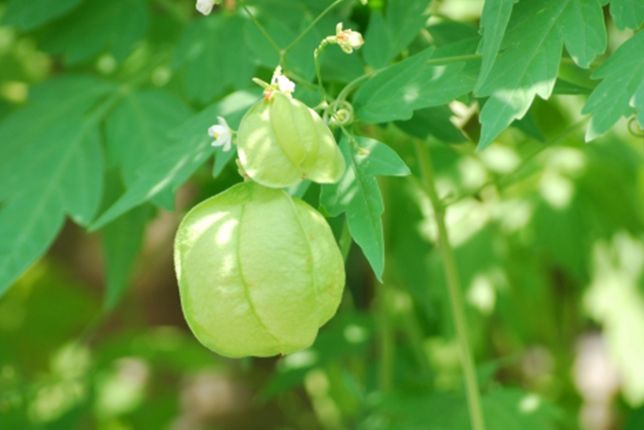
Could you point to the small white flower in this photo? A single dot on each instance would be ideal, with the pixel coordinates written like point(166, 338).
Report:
point(222, 134)
point(284, 84)
point(348, 39)
point(205, 6)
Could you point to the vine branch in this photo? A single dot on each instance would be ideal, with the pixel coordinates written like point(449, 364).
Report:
point(311, 25)
point(263, 30)
point(454, 289)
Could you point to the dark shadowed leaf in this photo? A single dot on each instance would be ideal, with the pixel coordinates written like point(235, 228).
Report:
point(115, 25)
point(29, 14)
point(433, 121)
point(121, 243)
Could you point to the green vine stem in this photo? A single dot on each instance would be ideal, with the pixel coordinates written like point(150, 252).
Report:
point(311, 25)
point(454, 289)
point(263, 30)
point(282, 52)
point(318, 71)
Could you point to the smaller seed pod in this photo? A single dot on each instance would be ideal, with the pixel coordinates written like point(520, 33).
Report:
point(259, 272)
point(282, 141)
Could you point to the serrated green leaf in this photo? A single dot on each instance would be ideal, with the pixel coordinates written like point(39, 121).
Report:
point(584, 31)
point(66, 161)
point(359, 196)
point(28, 225)
point(213, 58)
point(50, 164)
point(397, 91)
point(494, 21)
point(51, 102)
point(62, 172)
point(528, 65)
point(170, 168)
point(623, 81)
point(627, 13)
point(30, 14)
point(116, 25)
point(139, 128)
point(121, 243)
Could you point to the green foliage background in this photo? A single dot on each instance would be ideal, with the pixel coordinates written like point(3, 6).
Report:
point(104, 107)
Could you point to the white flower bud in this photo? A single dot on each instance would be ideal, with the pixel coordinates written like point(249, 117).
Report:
point(205, 6)
point(283, 83)
point(348, 39)
point(222, 134)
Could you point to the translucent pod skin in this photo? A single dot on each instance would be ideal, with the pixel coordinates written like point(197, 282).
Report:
point(281, 141)
point(259, 272)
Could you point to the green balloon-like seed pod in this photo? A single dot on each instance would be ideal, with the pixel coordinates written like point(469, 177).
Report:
point(281, 141)
point(259, 272)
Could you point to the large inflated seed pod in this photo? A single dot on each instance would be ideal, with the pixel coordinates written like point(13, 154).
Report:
point(282, 141)
point(259, 272)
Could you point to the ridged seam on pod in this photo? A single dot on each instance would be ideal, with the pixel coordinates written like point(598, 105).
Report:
point(259, 272)
point(281, 141)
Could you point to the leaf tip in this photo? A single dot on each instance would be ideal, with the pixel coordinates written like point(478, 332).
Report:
point(591, 132)
point(483, 143)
